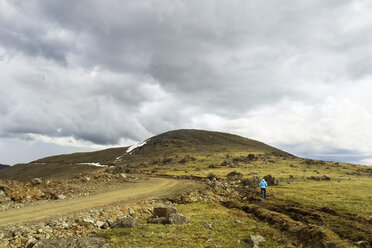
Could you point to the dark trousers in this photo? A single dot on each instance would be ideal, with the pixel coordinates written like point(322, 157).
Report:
point(263, 192)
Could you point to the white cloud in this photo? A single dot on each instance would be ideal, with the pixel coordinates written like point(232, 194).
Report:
point(296, 74)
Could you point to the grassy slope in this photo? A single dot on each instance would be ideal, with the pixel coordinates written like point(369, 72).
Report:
point(104, 156)
point(174, 143)
point(230, 227)
point(23, 172)
point(3, 166)
point(187, 141)
point(347, 196)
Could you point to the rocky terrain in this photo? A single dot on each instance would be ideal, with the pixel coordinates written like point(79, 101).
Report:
point(186, 188)
point(16, 194)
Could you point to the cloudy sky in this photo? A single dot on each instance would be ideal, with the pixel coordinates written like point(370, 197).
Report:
point(85, 75)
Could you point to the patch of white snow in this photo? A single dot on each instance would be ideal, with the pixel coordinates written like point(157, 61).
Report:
point(96, 164)
point(135, 146)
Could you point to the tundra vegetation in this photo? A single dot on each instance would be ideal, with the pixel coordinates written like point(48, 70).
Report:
point(310, 203)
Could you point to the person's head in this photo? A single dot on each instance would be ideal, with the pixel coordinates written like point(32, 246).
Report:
point(263, 179)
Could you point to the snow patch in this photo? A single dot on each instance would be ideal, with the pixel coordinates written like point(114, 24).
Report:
point(118, 158)
point(135, 146)
point(96, 164)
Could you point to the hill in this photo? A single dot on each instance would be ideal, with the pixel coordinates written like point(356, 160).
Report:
point(310, 203)
point(3, 166)
point(170, 148)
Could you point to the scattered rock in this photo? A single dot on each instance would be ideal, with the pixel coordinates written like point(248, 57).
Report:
point(100, 224)
point(207, 225)
point(61, 197)
point(177, 219)
point(255, 240)
point(88, 220)
point(271, 180)
point(36, 181)
point(127, 222)
point(362, 243)
point(131, 211)
point(84, 242)
point(164, 211)
point(234, 175)
point(323, 178)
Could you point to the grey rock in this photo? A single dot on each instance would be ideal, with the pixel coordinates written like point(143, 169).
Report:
point(177, 219)
point(100, 224)
point(207, 225)
point(126, 221)
point(61, 197)
point(36, 181)
point(84, 242)
point(158, 220)
point(255, 240)
point(164, 211)
point(88, 220)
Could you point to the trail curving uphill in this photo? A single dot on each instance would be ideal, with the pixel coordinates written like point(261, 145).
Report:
point(131, 193)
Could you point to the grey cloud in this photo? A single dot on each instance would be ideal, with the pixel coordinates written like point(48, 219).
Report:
point(159, 64)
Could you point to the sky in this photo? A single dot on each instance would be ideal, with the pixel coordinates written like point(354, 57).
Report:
point(87, 75)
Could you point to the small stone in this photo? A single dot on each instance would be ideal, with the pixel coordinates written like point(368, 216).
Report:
point(207, 225)
point(36, 181)
point(64, 224)
point(61, 197)
point(100, 224)
point(88, 220)
point(255, 240)
point(131, 211)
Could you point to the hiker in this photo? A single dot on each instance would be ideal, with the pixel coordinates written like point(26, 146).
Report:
point(263, 185)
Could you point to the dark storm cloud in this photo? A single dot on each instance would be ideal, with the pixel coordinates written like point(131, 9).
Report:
point(101, 71)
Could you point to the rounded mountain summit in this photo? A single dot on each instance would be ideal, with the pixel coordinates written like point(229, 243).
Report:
point(157, 150)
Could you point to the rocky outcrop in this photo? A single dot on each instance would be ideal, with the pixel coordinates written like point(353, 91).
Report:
point(271, 181)
point(167, 214)
point(323, 178)
point(235, 175)
point(126, 221)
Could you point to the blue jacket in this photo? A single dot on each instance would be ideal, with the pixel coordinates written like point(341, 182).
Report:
point(263, 184)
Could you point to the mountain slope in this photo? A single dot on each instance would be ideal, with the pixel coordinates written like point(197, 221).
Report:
point(3, 166)
point(102, 157)
point(189, 141)
point(170, 145)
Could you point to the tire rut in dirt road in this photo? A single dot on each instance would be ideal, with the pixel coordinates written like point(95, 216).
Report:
point(153, 187)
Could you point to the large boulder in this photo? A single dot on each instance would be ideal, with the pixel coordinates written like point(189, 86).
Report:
point(235, 175)
point(127, 222)
point(271, 181)
point(177, 219)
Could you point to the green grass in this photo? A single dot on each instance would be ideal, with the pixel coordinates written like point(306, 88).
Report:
point(229, 229)
point(352, 196)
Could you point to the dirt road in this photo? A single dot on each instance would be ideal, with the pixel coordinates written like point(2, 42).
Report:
point(131, 193)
